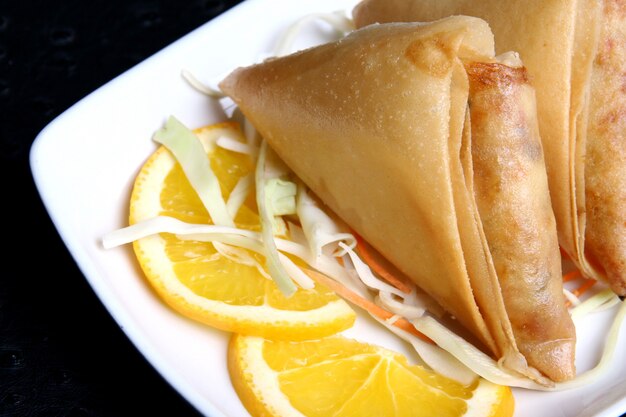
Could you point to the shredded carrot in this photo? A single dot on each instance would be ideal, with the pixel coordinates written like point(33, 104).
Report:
point(571, 275)
point(365, 304)
point(582, 289)
point(368, 258)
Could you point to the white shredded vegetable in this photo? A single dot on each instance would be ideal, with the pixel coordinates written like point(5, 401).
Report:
point(593, 303)
point(240, 256)
point(326, 264)
point(255, 245)
point(487, 368)
point(296, 273)
point(321, 231)
point(252, 136)
point(338, 21)
point(476, 360)
point(239, 194)
point(281, 196)
point(240, 238)
point(165, 224)
point(279, 192)
point(236, 146)
point(276, 269)
point(296, 234)
point(408, 310)
point(436, 358)
point(200, 87)
point(274, 166)
point(571, 297)
point(210, 233)
point(190, 154)
point(612, 302)
point(353, 280)
point(366, 275)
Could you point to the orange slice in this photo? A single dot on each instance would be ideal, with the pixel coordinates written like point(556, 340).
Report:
point(198, 282)
point(339, 377)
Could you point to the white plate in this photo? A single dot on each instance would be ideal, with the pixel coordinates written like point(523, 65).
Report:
point(85, 161)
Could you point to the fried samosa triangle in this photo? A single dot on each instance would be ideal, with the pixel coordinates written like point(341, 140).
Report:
point(428, 147)
point(575, 50)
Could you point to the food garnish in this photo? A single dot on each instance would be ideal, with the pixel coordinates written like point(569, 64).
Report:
point(199, 281)
point(342, 377)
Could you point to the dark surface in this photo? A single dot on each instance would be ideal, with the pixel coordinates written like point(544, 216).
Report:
point(61, 354)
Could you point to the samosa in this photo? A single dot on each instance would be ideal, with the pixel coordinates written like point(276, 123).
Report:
point(427, 145)
point(575, 51)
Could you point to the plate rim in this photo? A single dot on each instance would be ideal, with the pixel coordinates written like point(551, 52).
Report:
point(96, 281)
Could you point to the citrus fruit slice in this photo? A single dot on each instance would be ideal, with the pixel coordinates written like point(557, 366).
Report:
point(199, 282)
point(338, 377)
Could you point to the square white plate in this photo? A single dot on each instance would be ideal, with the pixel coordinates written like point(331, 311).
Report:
point(84, 163)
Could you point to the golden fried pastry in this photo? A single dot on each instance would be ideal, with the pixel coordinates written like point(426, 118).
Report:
point(427, 145)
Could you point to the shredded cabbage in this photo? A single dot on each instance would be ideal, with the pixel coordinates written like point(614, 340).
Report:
point(436, 358)
point(476, 360)
point(593, 303)
point(366, 275)
point(274, 166)
point(200, 87)
point(612, 302)
point(296, 273)
point(281, 196)
point(257, 246)
point(239, 194)
point(240, 256)
point(408, 308)
point(279, 191)
point(191, 155)
point(296, 234)
point(252, 136)
point(166, 224)
point(266, 216)
point(240, 238)
point(320, 229)
point(469, 355)
point(487, 368)
point(337, 20)
point(571, 297)
point(326, 264)
point(236, 146)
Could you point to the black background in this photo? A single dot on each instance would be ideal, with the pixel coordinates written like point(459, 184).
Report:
point(61, 354)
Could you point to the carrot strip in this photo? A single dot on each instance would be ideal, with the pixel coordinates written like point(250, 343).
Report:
point(571, 275)
point(582, 289)
point(367, 257)
point(365, 304)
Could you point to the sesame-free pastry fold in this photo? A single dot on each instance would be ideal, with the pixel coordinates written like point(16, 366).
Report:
point(575, 51)
point(427, 145)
